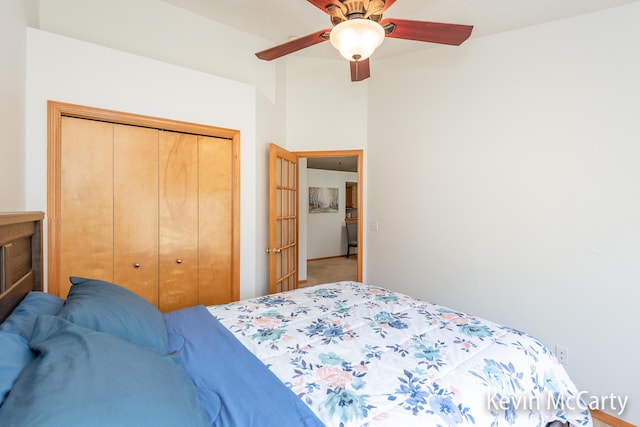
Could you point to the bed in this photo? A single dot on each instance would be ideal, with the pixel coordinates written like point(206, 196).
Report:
point(337, 354)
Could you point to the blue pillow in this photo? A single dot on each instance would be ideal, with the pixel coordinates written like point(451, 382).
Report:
point(23, 317)
point(15, 354)
point(106, 307)
point(82, 377)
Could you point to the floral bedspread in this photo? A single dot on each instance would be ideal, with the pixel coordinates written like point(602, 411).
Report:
point(361, 355)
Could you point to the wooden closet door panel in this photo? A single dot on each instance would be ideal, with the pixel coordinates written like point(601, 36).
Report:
point(136, 210)
point(178, 283)
point(86, 202)
point(216, 225)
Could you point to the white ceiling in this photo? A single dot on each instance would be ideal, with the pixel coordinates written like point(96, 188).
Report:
point(281, 20)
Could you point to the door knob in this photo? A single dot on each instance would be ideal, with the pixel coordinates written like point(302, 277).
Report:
point(179, 261)
point(274, 250)
point(136, 265)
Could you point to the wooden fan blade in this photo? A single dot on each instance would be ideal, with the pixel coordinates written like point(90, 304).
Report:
point(388, 4)
point(294, 45)
point(322, 4)
point(360, 70)
point(434, 32)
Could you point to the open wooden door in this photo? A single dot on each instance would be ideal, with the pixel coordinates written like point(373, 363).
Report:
point(283, 220)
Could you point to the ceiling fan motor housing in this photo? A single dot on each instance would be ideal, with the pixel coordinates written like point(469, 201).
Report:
point(355, 9)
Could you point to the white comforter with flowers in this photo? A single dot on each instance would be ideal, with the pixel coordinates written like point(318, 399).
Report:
point(361, 355)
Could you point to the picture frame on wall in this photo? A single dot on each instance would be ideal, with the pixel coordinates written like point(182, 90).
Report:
point(323, 200)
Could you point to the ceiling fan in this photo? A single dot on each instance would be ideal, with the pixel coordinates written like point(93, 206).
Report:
point(358, 29)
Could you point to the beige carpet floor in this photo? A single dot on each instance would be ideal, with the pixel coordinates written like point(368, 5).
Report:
point(331, 270)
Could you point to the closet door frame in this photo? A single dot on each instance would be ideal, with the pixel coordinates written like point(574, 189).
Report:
point(57, 110)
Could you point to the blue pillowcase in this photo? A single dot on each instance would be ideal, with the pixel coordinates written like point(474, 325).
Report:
point(85, 377)
point(106, 307)
point(15, 354)
point(24, 316)
point(15, 333)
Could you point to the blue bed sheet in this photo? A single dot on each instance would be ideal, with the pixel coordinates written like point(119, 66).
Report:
point(234, 387)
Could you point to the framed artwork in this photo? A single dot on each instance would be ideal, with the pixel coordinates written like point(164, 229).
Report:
point(323, 200)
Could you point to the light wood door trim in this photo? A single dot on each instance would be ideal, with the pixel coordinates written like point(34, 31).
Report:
point(347, 153)
point(609, 420)
point(57, 110)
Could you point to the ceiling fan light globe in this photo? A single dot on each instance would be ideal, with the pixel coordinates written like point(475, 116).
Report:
point(357, 39)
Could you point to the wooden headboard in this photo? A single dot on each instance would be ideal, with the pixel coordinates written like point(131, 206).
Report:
point(20, 258)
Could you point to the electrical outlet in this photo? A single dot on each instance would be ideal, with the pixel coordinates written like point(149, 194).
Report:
point(562, 354)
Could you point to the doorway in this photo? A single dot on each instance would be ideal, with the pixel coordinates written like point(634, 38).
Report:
point(328, 262)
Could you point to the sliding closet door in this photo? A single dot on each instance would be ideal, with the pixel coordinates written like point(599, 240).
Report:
point(84, 238)
point(178, 214)
point(135, 211)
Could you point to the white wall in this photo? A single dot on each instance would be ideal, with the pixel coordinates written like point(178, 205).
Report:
point(326, 232)
point(68, 70)
point(12, 92)
point(325, 110)
point(515, 161)
point(158, 30)
point(303, 196)
point(270, 120)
